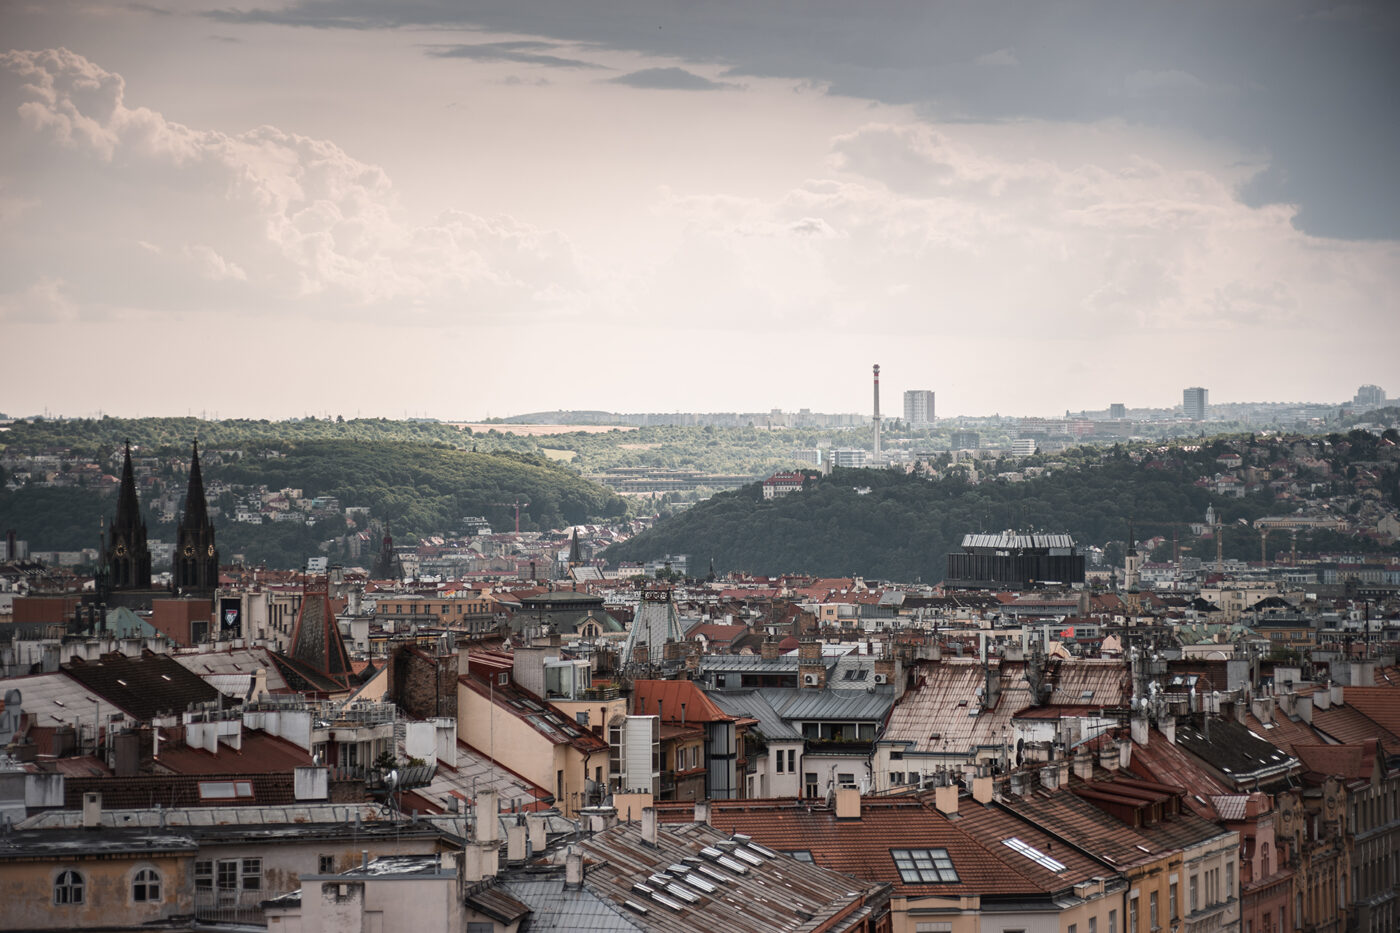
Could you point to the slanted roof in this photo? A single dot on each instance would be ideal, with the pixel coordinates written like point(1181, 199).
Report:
point(1349, 762)
point(751, 704)
point(767, 892)
point(1234, 751)
point(1347, 725)
point(258, 753)
point(1380, 704)
point(664, 698)
point(862, 846)
point(145, 687)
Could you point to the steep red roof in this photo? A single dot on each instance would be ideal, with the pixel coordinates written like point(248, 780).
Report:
point(1350, 762)
point(1381, 704)
point(664, 698)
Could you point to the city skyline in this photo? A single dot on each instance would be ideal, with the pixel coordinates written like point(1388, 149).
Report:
point(268, 209)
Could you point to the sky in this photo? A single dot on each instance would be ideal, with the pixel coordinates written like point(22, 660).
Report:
point(252, 208)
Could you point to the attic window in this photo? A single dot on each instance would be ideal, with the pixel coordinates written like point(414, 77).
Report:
point(924, 866)
point(502, 678)
point(802, 855)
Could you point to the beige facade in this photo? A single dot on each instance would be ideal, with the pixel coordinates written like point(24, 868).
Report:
point(98, 889)
point(519, 746)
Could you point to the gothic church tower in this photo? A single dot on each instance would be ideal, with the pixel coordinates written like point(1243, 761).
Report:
point(195, 570)
point(128, 558)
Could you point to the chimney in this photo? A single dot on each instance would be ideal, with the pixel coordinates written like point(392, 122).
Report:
point(1322, 699)
point(1083, 764)
point(847, 803)
point(702, 811)
point(1125, 755)
point(1017, 784)
point(515, 841)
point(487, 829)
point(945, 798)
point(259, 684)
point(1168, 728)
point(92, 810)
point(1108, 755)
point(573, 868)
point(982, 788)
point(770, 650)
point(809, 649)
point(1304, 705)
point(649, 826)
point(536, 826)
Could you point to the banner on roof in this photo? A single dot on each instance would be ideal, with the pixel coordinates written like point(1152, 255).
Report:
point(230, 618)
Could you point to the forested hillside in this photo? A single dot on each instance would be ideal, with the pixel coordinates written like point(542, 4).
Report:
point(905, 525)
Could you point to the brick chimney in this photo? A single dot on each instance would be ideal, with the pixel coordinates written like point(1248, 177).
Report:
point(847, 803)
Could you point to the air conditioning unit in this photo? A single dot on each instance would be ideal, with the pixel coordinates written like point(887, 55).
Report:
point(880, 678)
point(809, 679)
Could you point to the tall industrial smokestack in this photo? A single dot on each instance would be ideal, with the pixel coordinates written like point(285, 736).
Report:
point(877, 414)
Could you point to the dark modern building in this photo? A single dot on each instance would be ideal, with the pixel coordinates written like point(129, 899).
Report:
point(1013, 560)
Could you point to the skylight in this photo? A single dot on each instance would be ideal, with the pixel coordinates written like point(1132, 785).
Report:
point(1034, 854)
point(924, 866)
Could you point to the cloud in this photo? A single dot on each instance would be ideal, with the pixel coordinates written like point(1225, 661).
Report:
point(523, 51)
point(159, 215)
point(1315, 94)
point(669, 79)
point(1001, 58)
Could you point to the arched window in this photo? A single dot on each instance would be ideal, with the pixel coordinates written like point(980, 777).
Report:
point(146, 886)
point(68, 889)
point(1264, 853)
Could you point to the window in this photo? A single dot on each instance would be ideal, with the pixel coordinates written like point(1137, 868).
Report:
point(1171, 900)
point(325, 865)
point(146, 886)
point(581, 717)
point(68, 888)
point(781, 760)
point(1229, 880)
point(1093, 925)
point(1152, 910)
point(845, 779)
point(1195, 895)
point(792, 760)
point(204, 875)
point(228, 875)
point(1113, 921)
point(251, 879)
point(810, 780)
point(1073, 928)
point(1133, 915)
point(928, 866)
point(802, 855)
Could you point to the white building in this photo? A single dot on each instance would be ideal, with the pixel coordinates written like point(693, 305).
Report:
point(918, 407)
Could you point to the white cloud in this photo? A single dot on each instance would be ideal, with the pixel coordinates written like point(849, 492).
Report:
point(1001, 58)
point(265, 218)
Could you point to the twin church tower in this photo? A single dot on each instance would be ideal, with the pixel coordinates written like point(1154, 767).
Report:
point(126, 558)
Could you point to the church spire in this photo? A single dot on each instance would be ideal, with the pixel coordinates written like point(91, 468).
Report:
point(196, 507)
point(129, 558)
point(196, 566)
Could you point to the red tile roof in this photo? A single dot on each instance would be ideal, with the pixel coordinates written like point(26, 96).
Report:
point(261, 753)
point(1381, 704)
point(861, 847)
point(665, 697)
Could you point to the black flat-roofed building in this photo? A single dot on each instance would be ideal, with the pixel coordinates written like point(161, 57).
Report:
point(1009, 560)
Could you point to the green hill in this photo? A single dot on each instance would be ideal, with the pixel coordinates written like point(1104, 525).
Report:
point(903, 527)
point(420, 489)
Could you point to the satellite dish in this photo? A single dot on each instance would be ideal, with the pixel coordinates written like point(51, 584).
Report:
point(393, 778)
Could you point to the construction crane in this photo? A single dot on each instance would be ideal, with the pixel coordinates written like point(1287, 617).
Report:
point(517, 505)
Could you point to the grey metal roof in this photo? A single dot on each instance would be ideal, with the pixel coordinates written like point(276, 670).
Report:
point(234, 661)
point(804, 704)
point(749, 663)
point(751, 704)
point(554, 907)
